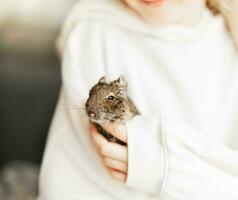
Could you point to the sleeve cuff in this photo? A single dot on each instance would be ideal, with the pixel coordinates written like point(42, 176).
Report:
point(146, 166)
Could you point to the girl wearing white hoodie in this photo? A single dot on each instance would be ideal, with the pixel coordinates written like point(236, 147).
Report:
point(181, 66)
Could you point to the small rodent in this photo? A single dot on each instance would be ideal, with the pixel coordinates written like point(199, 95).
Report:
point(109, 102)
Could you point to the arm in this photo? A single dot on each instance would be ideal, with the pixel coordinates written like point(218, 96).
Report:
point(158, 147)
point(83, 64)
point(68, 169)
point(142, 162)
point(147, 153)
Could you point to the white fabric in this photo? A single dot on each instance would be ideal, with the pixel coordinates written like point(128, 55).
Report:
point(183, 80)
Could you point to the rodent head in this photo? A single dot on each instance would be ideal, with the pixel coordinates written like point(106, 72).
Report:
point(107, 101)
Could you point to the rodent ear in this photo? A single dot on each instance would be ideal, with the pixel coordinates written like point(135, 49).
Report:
point(102, 80)
point(122, 82)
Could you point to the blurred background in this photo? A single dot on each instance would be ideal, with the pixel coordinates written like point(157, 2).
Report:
point(29, 85)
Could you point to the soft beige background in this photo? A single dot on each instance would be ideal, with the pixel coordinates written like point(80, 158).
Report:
point(35, 22)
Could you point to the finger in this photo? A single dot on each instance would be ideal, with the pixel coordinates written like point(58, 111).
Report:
point(115, 164)
point(92, 127)
point(94, 132)
point(109, 149)
point(117, 130)
point(117, 175)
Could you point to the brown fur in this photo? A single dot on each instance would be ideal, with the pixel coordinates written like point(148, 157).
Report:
point(101, 109)
point(118, 110)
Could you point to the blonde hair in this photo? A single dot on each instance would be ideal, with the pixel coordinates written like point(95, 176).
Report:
point(229, 10)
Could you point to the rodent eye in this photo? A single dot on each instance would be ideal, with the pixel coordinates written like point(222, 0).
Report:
point(110, 97)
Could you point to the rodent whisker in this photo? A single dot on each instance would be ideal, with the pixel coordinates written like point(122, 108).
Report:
point(117, 109)
point(84, 114)
point(81, 112)
point(81, 108)
point(78, 109)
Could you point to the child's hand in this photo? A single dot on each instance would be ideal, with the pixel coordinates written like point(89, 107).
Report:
point(114, 156)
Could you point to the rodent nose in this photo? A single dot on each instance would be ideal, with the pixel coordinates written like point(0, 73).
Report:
point(91, 113)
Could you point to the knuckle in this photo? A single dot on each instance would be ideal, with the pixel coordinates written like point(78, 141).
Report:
point(113, 172)
point(110, 171)
point(106, 161)
point(104, 150)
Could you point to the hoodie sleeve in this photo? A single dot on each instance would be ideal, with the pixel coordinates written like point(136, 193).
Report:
point(147, 153)
point(167, 156)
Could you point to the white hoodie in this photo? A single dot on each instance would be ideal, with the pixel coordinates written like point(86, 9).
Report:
point(183, 80)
